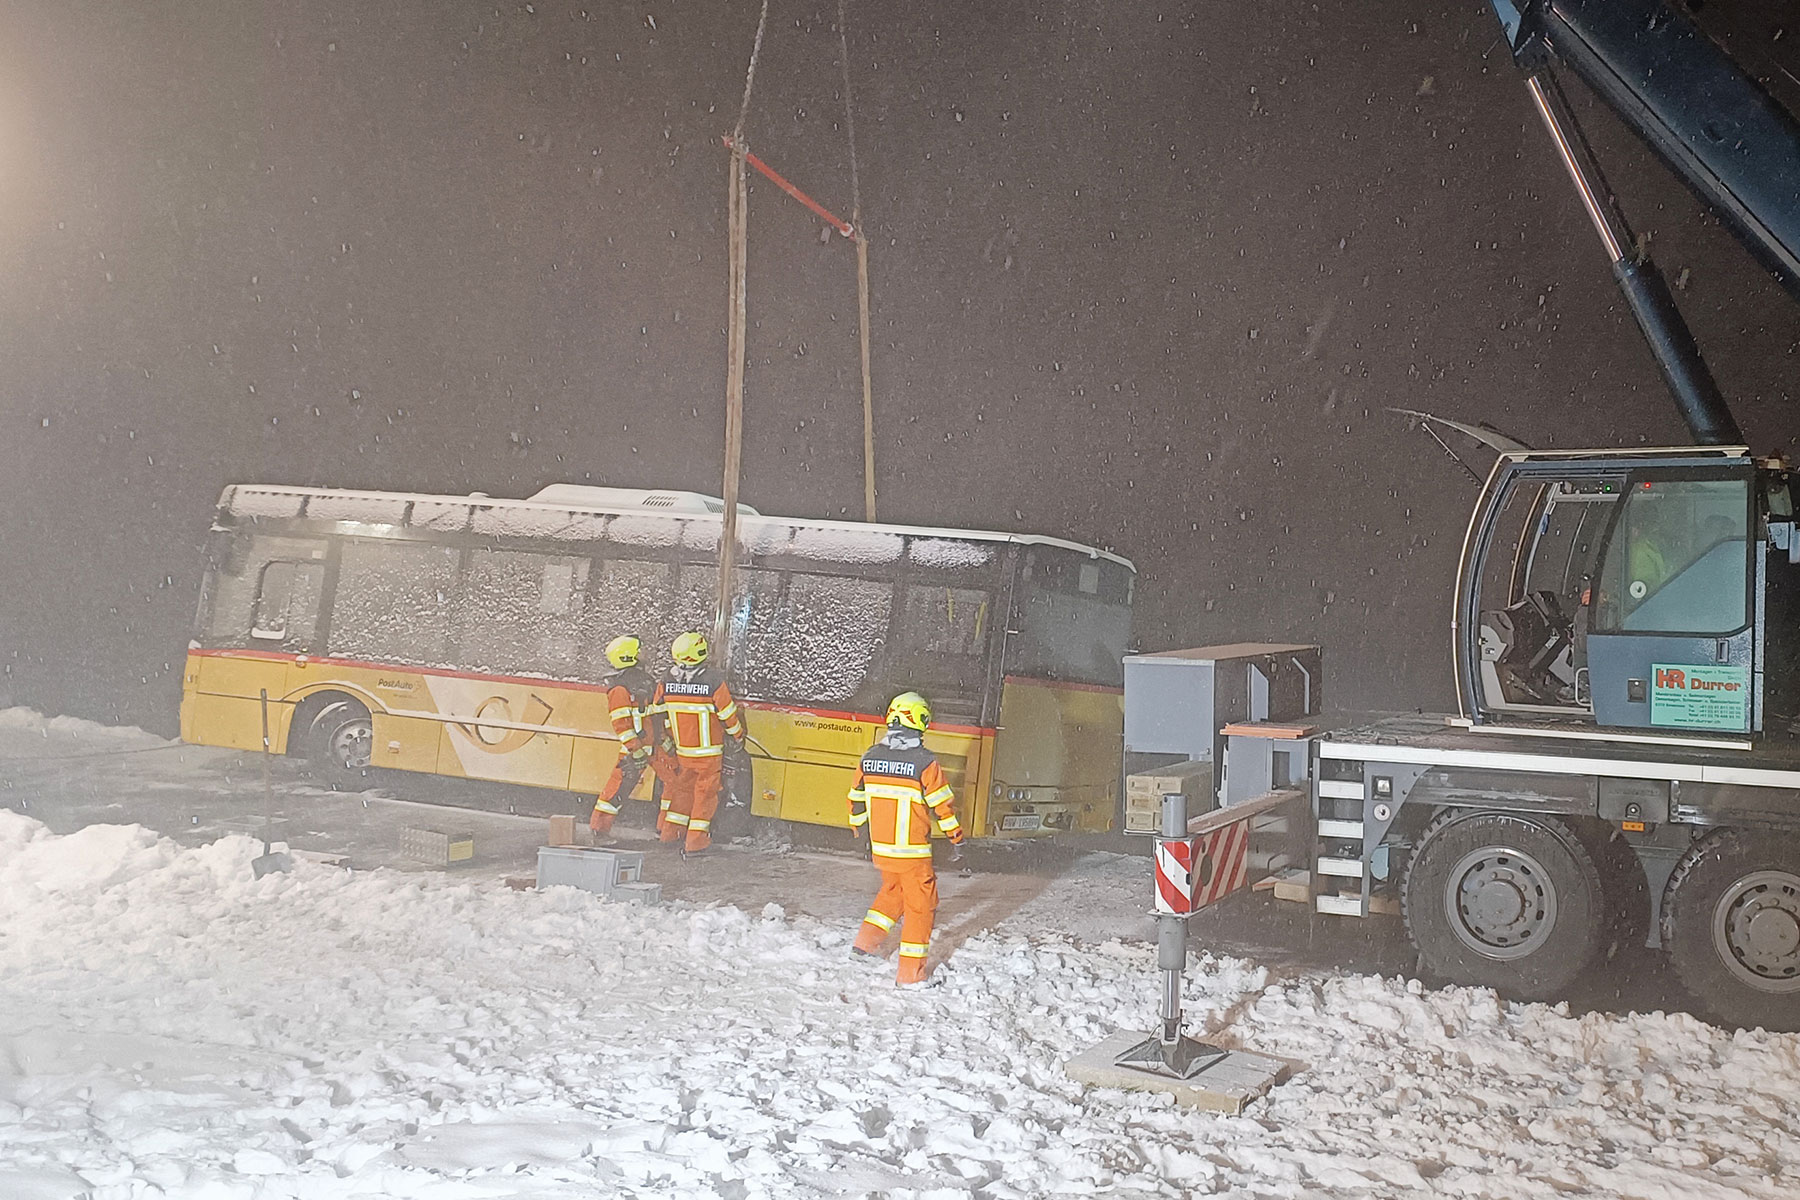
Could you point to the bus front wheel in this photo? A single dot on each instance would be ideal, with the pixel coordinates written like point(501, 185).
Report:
point(340, 739)
point(1731, 921)
point(1503, 900)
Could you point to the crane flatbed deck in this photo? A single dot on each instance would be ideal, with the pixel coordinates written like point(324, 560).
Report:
point(1434, 739)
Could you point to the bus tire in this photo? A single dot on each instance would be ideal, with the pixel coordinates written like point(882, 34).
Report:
point(340, 739)
point(1509, 901)
point(1731, 922)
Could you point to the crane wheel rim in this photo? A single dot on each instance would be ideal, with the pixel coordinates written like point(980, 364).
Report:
point(1501, 902)
point(1756, 931)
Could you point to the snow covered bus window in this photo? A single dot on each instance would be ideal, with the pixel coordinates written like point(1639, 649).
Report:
point(1067, 632)
point(237, 582)
point(835, 627)
point(695, 600)
point(630, 597)
point(516, 613)
point(393, 601)
point(812, 638)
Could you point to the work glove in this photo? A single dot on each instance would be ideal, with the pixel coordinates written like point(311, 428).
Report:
point(640, 754)
point(956, 859)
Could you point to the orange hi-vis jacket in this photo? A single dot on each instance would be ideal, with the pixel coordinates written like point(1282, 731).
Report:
point(697, 711)
point(628, 694)
point(899, 787)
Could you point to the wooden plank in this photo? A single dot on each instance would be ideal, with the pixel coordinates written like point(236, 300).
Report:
point(1225, 1087)
point(1293, 886)
point(1277, 730)
point(1219, 818)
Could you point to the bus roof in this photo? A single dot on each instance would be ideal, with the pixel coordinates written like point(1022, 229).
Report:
point(406, 509)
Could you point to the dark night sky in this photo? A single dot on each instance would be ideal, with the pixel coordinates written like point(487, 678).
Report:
point(1145, 275)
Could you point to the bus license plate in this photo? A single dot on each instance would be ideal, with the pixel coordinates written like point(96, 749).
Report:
point(1021, 821)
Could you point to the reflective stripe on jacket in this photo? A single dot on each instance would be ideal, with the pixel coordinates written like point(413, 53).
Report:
point(899, 788)
point(697, 712)
point(628, 694)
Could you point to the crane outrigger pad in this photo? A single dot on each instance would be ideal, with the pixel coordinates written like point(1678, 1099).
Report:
point(1182, 1058)
point(1225, 1085)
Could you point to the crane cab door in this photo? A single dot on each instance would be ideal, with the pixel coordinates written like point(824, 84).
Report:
point(1615, 591)
point(1674, 620)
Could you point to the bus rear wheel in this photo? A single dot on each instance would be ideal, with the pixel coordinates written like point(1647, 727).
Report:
point(1731, 921)
point(1503, 900)
point(341, 739)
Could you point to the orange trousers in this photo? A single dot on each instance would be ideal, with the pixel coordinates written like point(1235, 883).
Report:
point(692, 798)
point(908, 898)
point(622, 782)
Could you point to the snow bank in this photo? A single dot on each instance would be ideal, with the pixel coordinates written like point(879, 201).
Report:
point(29, 720)
point(170, 1026)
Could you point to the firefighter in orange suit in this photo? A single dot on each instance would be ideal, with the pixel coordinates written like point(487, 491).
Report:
point(899, 788)
point(628, 692)
point(697, 713)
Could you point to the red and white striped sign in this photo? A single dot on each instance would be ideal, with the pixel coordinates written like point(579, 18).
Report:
point(1225, 854)
point(1175, 876)
point(1192, 873)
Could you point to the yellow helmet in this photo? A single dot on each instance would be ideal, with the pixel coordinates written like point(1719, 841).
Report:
point(911, 710)
point(622, 651)
point(689, 649)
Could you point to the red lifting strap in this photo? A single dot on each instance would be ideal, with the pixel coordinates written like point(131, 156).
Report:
point(843, 227)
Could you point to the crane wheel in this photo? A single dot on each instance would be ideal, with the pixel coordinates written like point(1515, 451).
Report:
point(1731, 922)
point(1504, 900)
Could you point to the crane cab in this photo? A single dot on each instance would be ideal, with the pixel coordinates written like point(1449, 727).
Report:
point(1630, 590)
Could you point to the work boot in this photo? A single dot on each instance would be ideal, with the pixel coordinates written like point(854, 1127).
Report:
point(858, 954)
point(916, 985)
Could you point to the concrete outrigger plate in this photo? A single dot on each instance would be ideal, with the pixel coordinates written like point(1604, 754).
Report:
point(1224, 1086)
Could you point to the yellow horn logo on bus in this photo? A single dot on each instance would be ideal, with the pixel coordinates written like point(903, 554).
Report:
point(496, 738)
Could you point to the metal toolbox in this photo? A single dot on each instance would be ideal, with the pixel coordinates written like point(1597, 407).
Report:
point(436, 847)
point(589, 868)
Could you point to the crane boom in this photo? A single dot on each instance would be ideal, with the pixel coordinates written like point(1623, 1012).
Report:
point(1717, 128)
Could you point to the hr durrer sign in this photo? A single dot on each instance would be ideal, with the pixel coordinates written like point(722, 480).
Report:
point(1710, 697)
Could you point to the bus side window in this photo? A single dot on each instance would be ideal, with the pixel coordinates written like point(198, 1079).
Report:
point(394, 600)
point(630, 596)
point(513, 610)
point(813, 641)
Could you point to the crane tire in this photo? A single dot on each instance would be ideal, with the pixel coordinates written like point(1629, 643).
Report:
point(1731, 922)
point(1511, 901)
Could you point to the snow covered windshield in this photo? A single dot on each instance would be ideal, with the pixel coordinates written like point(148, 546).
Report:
point(1073, 617)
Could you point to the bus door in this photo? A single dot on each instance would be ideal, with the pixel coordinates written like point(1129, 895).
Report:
point(1060, 734)
point(264, 594)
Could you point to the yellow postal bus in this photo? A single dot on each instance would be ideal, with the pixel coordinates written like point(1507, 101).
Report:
point(465, 636)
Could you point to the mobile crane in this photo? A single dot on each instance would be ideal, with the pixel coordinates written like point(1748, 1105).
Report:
point(1625, 628)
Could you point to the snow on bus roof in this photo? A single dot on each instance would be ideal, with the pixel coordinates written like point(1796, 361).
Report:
point(633, 523)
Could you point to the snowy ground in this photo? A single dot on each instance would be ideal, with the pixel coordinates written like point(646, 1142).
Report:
point(170, 1026)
